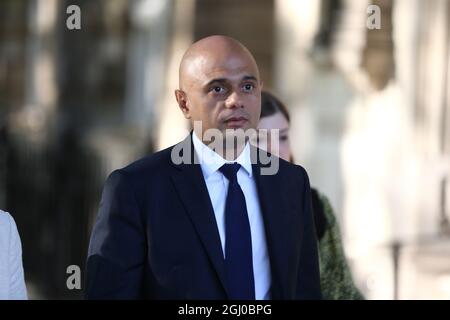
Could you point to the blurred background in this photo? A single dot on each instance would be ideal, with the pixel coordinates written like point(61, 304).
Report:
point(370, 119)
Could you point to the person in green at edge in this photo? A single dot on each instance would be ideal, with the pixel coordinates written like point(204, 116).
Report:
point(335, 276)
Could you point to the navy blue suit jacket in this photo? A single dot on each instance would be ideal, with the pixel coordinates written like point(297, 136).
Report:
point(156, 235)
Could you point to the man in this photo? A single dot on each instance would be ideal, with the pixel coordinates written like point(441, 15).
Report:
point(214, 227)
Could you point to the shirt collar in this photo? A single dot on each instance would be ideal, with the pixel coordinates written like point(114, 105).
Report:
point(211, 161)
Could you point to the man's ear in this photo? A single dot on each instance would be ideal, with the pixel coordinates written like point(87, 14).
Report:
point(180, 95)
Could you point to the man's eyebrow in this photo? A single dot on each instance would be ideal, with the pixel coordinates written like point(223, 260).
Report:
point(219, 80)
point(249, 78)
point(223, 80)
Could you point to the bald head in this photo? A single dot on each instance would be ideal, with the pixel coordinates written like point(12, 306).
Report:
point(214, 52)
point(219, 85)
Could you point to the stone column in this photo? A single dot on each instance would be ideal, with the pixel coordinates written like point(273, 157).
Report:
point(171, 126)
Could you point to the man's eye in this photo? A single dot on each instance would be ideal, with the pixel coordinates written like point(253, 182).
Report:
point(248, 87)
point(217, 89)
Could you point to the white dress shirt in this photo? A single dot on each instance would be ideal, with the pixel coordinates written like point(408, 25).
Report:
point(12, 283)
point(217, 185)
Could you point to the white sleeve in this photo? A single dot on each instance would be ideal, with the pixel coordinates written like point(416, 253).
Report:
point(17, 288)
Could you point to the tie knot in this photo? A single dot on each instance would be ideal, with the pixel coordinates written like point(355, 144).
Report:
point(230, 170)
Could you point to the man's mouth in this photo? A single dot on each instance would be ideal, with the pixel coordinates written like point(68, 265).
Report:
point(235, 122)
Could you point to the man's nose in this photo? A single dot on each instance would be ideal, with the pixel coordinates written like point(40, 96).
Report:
point(234, 100)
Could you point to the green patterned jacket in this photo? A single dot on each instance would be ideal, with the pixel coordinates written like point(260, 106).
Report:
point(335, 276)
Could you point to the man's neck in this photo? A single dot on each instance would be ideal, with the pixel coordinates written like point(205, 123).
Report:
point(232, 154)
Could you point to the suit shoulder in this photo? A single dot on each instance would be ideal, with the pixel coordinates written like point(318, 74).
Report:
point(292, 168)
point(156, 162)
point(295, 173)
point(137, 177)
point(286, 169)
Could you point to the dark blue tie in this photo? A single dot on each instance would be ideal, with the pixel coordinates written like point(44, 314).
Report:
point(238, 241)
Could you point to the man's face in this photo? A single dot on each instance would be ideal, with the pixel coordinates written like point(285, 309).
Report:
point(223, 91)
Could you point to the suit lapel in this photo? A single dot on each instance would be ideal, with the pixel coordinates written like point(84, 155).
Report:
point(190, 184)
point(276, 223)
